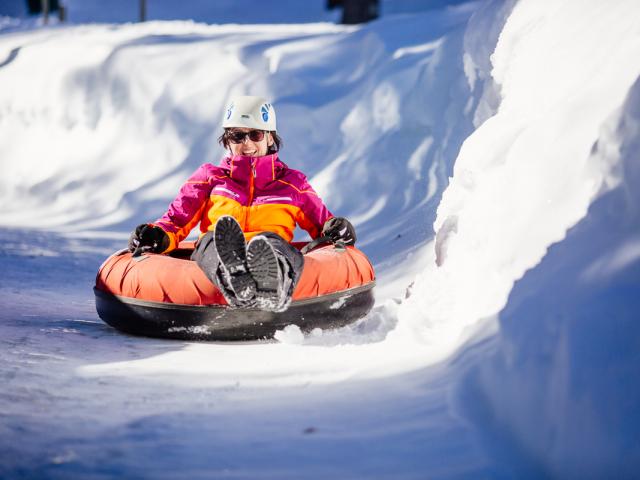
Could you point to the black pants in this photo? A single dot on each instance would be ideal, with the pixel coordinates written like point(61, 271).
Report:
point(290, 259)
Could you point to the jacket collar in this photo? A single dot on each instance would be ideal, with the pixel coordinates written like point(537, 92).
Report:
point(264, 169)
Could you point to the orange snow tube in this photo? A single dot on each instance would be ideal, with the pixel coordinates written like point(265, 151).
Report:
point(169, 296)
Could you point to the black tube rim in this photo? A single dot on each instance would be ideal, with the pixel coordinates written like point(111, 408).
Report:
point(182, 306)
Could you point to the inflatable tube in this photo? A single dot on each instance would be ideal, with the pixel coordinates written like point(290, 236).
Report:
point(168, 296)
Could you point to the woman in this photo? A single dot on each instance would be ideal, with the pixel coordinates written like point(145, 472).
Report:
point(251, 196)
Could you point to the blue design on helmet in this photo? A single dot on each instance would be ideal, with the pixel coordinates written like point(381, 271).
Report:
point(265, 112)
point(230, 111)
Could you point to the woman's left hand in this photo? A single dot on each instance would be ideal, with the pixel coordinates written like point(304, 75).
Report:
point(339, 229)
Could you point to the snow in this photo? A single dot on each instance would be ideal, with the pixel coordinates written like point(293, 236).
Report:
point(514, 190)
point(290, 334)
point(577, 376)
point(487, 154)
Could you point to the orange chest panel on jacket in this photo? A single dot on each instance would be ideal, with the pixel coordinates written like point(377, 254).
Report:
point(279, 218)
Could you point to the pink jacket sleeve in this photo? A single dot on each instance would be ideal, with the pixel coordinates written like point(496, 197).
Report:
point(187, 208)
point(314, 212)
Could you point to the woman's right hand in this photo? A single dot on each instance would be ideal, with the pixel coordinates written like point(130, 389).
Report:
point(148, 238)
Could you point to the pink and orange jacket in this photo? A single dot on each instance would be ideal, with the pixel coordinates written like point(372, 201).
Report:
point(262, 193)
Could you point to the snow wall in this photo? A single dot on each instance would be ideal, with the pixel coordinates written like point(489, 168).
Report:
point(558, 384)
point(547, 103)
point(555, 385)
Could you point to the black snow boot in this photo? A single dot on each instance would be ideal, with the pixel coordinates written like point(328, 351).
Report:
point(232, 253)
point(265, 268)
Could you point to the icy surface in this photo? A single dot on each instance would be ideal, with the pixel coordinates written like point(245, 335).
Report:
point(504, 345)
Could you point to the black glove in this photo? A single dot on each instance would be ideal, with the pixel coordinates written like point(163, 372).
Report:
point(339, 229)
point(148, 238)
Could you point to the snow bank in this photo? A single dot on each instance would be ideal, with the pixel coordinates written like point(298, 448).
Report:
point(559, 380)
point(557, 165)
point(527, 174)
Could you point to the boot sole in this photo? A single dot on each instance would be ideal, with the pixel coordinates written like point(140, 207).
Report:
point(264, 268)
point(231, 247)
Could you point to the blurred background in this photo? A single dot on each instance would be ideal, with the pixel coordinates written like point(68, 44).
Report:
point(220, 11)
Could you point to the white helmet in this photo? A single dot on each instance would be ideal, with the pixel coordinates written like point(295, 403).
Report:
point(250, 112)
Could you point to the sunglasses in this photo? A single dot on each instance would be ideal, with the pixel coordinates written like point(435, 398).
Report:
point(237, 136)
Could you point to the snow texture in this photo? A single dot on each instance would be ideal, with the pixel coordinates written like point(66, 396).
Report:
point(486, 152)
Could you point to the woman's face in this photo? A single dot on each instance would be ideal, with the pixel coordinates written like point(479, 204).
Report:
point(249, 142)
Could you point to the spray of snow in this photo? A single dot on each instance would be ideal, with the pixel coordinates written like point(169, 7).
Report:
point(290, 334)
